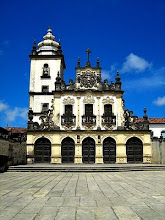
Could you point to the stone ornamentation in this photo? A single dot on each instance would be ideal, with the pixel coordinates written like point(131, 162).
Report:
point(88, 79)
point(68, 101)
point(108, 100)
point(131, 122)
point(46, 122)
point(88, 100)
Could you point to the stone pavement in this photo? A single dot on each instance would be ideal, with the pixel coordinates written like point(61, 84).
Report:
point(69, 196)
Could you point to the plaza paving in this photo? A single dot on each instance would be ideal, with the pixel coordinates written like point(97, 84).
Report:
point(116, 195)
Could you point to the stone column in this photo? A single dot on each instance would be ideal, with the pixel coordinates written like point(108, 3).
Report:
point(121, 156)
point(56, 153)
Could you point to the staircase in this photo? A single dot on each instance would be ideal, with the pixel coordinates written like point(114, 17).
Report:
point(86, 167)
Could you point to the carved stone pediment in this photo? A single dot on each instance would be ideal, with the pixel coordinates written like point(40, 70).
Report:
point(108, 100)
point(89, 99)
point(68, 101)
point(88, 79)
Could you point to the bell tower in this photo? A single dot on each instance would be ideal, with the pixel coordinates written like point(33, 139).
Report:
point(47, 61)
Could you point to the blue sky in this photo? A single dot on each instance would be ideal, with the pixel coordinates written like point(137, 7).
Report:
point(126, 35)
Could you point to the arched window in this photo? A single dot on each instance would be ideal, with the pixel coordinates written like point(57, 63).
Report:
point(46, 71)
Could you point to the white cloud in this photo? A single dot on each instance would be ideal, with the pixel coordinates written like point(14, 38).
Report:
point(160, 101)
point(105, 74)
point(11, 115)
point(108, 74)
point(134, 63)
point(3, 106)
point(155, 79)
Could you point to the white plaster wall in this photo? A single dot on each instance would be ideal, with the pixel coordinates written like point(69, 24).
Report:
point(36, 82)
point(39, 99)
point(157, 129)
point(82, 111)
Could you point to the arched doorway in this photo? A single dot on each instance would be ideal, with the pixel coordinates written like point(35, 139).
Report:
point(42, 151)
point(88, 150)
point(134, 150)
point(68, 150)
point(109, 150)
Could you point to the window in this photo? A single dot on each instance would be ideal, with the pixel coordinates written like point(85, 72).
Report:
point(68, 110)
point(107, 109)
point(88, 109)
point(46, 71)
point(45, 89)
point(45, 107)
point(68, 118)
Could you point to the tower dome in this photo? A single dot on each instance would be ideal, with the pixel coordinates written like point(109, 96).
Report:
point(49, 46)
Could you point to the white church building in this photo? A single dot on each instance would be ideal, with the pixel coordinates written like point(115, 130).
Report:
point(84, 121)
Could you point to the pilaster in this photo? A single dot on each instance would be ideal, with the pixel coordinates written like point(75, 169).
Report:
point(99, 154)
point(98, 113)
point(30, 153)
point(78, 112)
point(56, 153)
point(78, 153)
point(121, 156)
point(147, 153)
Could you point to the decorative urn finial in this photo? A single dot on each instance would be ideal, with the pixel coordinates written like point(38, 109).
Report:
point(98, 62)
point(78, 62)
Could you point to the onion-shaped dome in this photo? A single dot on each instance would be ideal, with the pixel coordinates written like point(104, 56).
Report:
point(49, 46)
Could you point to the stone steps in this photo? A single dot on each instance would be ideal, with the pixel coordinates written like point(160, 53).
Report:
point(81, 168)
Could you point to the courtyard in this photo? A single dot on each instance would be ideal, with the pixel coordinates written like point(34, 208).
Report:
point(64, 195)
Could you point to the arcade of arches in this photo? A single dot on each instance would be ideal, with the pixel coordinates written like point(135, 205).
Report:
point(88, 150)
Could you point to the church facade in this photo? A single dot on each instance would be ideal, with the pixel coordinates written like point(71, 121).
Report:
point(84, 121)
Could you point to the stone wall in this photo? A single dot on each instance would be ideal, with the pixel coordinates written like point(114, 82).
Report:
point(158, 150)
point(15, 151)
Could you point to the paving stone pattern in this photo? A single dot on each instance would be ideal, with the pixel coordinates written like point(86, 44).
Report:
point(82, 196)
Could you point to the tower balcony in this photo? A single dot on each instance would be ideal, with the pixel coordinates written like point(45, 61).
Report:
point(68, 120)
point(89, 120)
